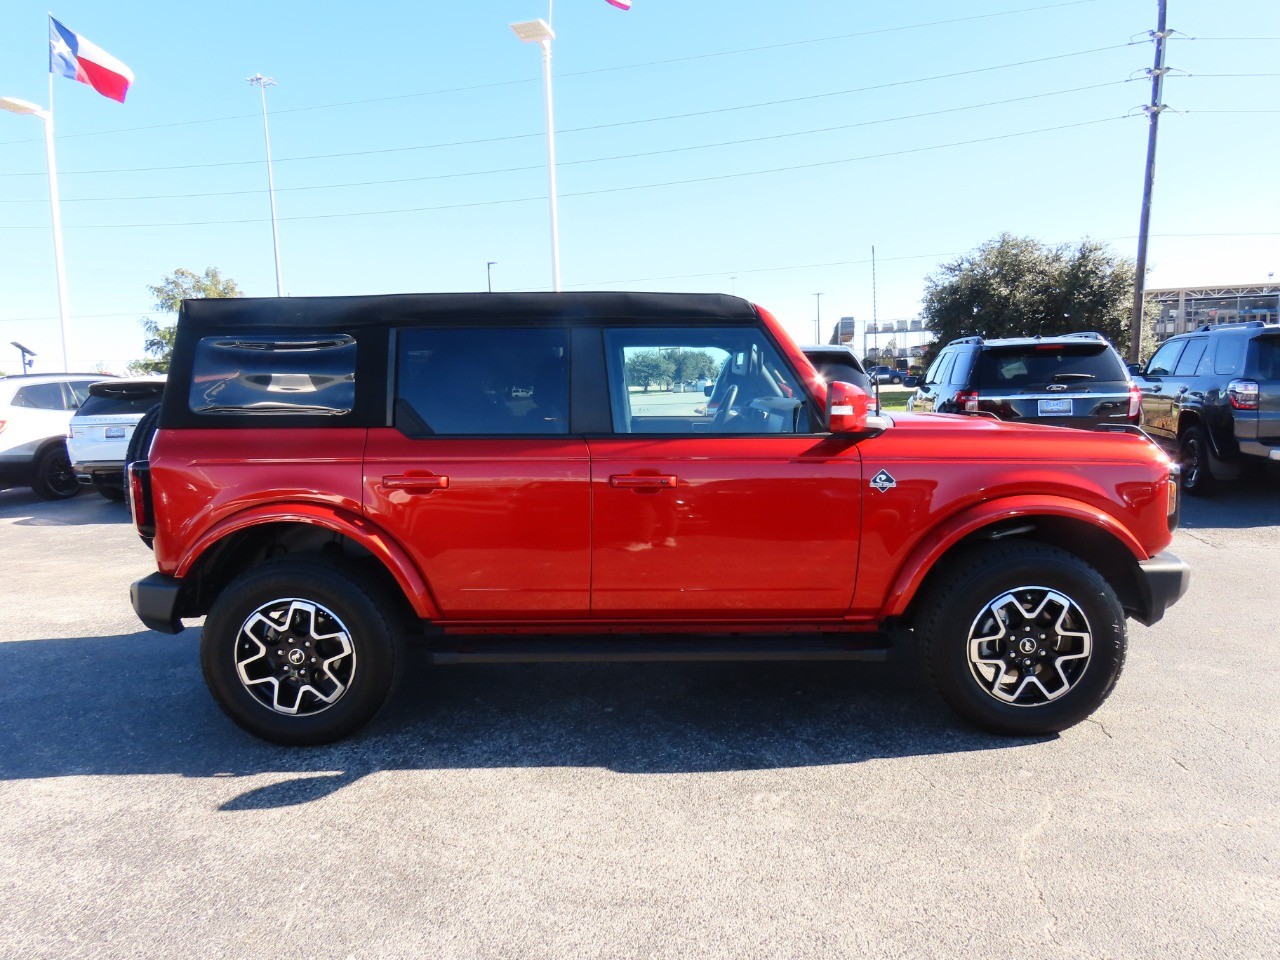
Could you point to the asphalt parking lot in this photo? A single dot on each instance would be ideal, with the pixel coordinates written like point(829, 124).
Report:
point(698, 810)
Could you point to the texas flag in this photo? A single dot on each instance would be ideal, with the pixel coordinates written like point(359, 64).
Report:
point(73, 56)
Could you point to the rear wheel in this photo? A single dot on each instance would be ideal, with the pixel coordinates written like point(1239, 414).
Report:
point(53, 478)
point(1028, 639)
point(1193, 455)
point(301, 651)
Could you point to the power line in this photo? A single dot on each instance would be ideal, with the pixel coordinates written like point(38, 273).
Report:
point(565, 163)
point(606, 190)
point(613, 125)
point(585, 73)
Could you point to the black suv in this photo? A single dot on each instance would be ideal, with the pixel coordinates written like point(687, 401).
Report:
point(1075, 380)
point(1212, 397)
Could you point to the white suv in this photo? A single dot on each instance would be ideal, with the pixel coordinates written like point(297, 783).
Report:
point(35, 410)
point(98, 439)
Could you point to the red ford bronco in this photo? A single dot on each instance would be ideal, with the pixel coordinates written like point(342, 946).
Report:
point(532, 477)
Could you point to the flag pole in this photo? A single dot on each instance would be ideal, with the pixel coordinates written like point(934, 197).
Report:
point(59, 262)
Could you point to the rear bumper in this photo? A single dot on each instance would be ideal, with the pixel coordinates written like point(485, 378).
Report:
point(1162, 581)
point(155, 601)
point(100, 472)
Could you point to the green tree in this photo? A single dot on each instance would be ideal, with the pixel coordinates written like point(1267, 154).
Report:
point(648, 368)
point(169, 294)
point(1016, 286)
point(692, 364)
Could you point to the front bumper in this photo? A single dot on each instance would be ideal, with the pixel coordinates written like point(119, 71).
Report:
point(1162, 580)
point(155, 601)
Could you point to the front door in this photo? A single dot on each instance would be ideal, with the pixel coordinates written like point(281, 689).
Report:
point(740, 512)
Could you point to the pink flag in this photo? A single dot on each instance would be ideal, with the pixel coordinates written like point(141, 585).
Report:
point(620, 4)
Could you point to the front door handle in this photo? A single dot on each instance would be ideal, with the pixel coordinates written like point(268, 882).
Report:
point(633, 482)
point(412, 484)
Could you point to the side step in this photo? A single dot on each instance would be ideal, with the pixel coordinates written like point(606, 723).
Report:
point(641, 649)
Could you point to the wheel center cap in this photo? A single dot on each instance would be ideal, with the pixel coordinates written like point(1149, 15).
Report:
point(1025, 645)
point(297, 657)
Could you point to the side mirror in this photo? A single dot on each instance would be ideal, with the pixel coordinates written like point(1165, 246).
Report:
point(1135, 369)
point(846, 408)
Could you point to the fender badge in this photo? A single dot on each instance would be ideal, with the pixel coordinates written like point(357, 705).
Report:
point(883, 481)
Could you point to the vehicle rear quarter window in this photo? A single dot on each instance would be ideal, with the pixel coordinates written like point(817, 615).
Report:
point(1190, 359)
point(1228, 355)
point(41, 396)
point(654, 377)
point(940, 369)
point(1045, 363)
point(486, 381)
point(274, 375)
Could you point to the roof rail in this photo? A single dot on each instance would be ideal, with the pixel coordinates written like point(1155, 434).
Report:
point(1233, 325)
point(966, 340)
point(1086, 335)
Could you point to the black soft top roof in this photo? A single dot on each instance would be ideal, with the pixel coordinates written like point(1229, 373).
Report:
point(309, 313)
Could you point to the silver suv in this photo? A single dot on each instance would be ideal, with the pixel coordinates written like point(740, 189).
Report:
point(35, 410)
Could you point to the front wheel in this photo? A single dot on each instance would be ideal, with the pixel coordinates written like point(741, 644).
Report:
point(1026, 639)
point(301, 651)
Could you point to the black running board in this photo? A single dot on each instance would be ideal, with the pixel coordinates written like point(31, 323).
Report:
point(648, 649)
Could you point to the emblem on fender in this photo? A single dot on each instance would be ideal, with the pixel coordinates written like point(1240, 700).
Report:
point(883, 481)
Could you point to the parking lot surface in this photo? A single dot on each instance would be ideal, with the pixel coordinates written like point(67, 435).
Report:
point(692, 810)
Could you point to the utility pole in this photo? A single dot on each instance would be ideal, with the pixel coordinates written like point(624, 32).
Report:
point(1160, 34)
point(817, 320)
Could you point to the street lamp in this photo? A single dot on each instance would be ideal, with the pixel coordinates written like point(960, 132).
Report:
point(488, 269)
point(24, 107)
point(540, 32)
point(261, 82)
point(25, 355)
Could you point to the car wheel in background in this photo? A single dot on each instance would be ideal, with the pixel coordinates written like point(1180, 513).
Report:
point(53, 478)
point(301, 651)
point(1193, 455)
point(1025, 639)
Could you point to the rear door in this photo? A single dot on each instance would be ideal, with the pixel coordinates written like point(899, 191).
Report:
point(478, 477)
point(1073, 382)
point(737, 513)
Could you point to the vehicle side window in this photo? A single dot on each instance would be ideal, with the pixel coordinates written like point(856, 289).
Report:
point(273, 375)
point(1228, 356)
point(940, 369)
point(482, 381)
point(41, 396)
point(653, 374)
point(960, 372)
point(79, 391)
point(1190, 359)
point(1165, 359)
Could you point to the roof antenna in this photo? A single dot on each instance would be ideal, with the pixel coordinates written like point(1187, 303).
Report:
point(875, 331)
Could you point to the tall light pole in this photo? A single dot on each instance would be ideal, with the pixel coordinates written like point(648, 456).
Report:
point(261, 82)
point(24, 107)
point(540, 32)
point(1159, 35)
point(488, 269)
point(817, 320)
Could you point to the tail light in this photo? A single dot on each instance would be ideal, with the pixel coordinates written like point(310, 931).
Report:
point(1135, 403)
point(139, 478)
point(967, 400)
point(1171, 486)
point(1243, 394)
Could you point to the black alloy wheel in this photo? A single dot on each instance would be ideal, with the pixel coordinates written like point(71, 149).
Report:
point(1193, 456)
point(53, 478)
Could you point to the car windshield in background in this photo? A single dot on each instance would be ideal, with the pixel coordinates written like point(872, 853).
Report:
point(1048, 363)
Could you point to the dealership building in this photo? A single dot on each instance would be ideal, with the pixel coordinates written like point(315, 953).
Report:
point(1186, 308)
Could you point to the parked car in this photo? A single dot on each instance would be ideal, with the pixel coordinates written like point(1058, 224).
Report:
point(1212, 398)
point(403, 498)
point(1074, 380)
point(34, 412)
point(884, 374)
point(99, 432)
point(837, 363)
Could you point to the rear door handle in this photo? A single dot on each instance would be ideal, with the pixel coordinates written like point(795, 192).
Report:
point(632, 482)
point(411, 484)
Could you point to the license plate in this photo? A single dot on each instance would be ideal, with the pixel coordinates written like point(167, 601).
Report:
point(115, 433)
point(1049, 408)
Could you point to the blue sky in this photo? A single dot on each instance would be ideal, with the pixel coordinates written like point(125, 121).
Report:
point(711, 146)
